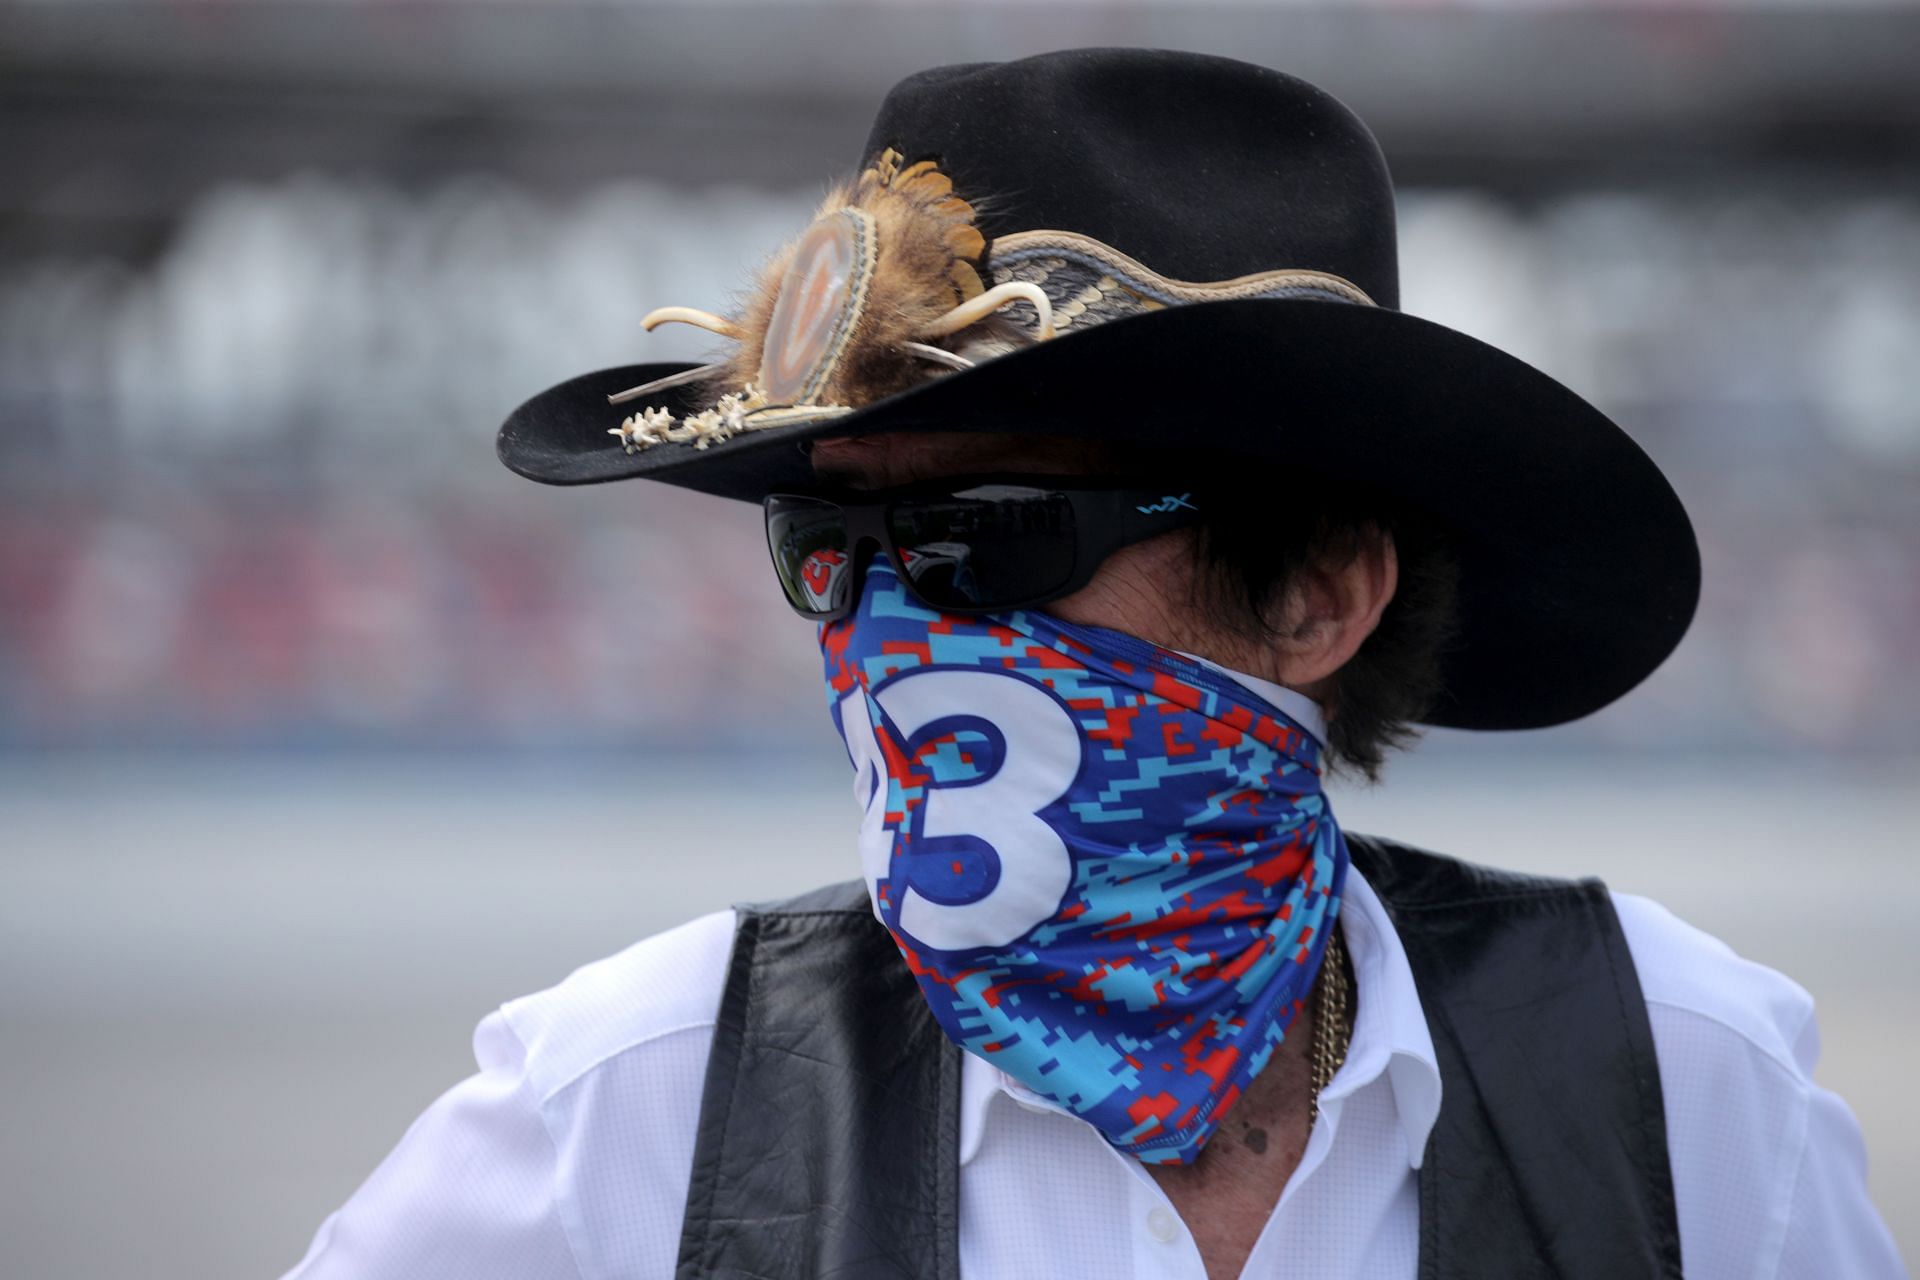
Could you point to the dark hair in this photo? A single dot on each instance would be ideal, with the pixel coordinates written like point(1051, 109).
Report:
point(1251, 544)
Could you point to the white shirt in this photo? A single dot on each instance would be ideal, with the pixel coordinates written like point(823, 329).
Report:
point(568, 1155)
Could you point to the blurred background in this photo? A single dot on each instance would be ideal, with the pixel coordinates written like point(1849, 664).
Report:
point(321, 734)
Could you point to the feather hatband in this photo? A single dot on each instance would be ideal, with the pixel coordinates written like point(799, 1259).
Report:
point(884, 291)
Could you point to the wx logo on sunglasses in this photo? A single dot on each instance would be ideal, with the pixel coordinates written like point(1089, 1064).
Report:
point(1166, 504)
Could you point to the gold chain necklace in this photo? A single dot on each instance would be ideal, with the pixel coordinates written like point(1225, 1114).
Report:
point(1332, 1029)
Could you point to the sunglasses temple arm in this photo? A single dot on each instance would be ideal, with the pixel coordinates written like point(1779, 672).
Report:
point(1143, 513)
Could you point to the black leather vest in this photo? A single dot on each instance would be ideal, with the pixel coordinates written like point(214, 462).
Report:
point(829, 1132)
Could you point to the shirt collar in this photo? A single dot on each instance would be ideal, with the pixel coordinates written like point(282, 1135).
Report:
point(1390, 1032)
point(1390, 1037)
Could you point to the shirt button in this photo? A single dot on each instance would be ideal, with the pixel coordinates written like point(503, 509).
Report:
point(1163, 1225)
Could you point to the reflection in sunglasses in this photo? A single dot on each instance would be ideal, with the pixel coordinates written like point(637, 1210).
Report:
point(942, 569)
point(820, 575)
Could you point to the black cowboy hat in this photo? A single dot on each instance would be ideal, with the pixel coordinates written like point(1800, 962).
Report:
point(1215, 244)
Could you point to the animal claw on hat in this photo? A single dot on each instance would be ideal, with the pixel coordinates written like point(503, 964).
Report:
point(671, 380)
point(690, 315)
point(939, 355)
point(979, 308)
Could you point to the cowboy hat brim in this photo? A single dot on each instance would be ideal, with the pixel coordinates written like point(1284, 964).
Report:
point(1579, 571)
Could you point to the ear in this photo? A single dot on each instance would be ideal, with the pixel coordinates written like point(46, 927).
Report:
point(1332, 606)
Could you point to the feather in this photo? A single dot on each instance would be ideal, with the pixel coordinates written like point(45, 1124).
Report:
point(883, 291)
point(926, 261)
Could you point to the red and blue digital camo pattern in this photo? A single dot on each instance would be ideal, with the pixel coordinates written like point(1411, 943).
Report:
point(1111, 870)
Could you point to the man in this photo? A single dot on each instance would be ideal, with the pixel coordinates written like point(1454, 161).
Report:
point(1086, 427)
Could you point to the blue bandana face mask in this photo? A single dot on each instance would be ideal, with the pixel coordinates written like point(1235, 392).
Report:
point(1111, 869)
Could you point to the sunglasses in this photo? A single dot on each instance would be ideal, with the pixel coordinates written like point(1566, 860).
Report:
point(963, 545)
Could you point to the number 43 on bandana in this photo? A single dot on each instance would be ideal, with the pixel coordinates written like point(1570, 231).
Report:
point(1111, 869)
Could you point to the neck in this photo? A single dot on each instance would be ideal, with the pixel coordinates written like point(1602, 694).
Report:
point(1226, 1196)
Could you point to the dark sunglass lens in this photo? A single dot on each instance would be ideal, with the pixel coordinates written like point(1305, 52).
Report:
point(808, 539)
point(987, 546)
